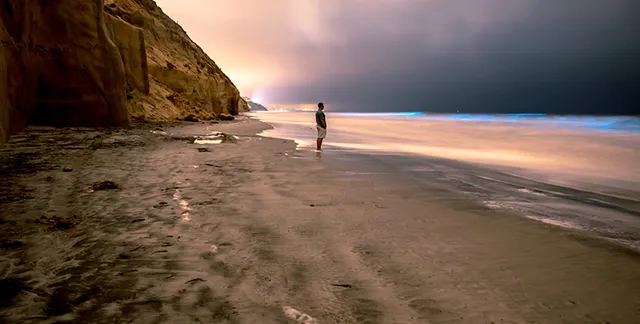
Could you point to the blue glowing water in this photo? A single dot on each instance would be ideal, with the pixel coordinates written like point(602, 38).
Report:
point(601, 123)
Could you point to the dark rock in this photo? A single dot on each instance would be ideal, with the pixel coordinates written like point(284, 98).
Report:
point(104, 185)
point(226, 117)
point(67, 169)
point(342, 285)
point(203, 149)
point(191, 118)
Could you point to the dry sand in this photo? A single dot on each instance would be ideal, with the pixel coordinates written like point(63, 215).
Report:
point(251, 231)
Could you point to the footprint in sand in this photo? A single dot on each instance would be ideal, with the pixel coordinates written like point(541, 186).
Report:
point(297, 316)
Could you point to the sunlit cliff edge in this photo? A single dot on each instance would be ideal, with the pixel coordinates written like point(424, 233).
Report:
point(254, 106)
point(101, 63)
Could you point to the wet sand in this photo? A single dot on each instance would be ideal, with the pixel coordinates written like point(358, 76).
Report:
point(253, 231)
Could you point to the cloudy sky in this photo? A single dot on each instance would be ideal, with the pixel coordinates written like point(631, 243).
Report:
point(561, 56)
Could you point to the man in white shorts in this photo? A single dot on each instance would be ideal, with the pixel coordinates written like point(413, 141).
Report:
point(321, 125)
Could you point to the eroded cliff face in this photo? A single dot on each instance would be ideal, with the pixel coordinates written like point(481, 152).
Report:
point(183, 80)
point(58, 66)
point(97, 63)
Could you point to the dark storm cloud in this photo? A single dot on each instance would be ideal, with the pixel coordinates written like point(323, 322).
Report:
point(570, 56)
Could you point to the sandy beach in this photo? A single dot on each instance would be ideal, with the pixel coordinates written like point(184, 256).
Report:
point(252, 230)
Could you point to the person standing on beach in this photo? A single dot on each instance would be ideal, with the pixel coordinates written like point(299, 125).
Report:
point(321, 125)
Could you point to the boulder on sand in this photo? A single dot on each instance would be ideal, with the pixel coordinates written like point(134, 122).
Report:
point(226, 117)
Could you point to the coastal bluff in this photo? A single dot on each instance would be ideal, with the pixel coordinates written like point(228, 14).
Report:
point(254, 106)
point(101, 63)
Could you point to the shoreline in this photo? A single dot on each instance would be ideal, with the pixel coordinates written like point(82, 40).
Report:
point(253, 230)
point(599, 208)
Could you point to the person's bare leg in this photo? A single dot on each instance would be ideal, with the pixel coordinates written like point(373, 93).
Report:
point(319, 144)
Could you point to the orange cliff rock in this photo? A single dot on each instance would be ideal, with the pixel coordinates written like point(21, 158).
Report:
point(182, 79)
point(58, 66)
point(91, 63)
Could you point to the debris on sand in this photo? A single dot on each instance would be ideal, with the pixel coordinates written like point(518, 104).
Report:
point(215, 138)
point(161, 204)
point(188, 139)
point(298, 316)
point(203, 149)
point(10, 288)
point(192, 281)
point(59, 223)
point(104, 185)
point(67, 169)
point(342, 285)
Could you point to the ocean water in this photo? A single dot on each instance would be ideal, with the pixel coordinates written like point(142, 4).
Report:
point(573, 171)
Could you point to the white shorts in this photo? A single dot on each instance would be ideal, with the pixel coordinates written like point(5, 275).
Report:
point(322, 132)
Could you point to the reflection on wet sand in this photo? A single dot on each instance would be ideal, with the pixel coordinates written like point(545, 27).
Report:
point(184, 206)
point(546, 169)
point(548, 149)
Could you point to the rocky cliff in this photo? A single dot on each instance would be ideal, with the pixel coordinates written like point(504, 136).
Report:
point(59, 67)
point(182, 79)
point(91, 63)
point(254, 106)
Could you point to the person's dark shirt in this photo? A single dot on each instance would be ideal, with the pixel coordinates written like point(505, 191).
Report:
point(320, 118)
